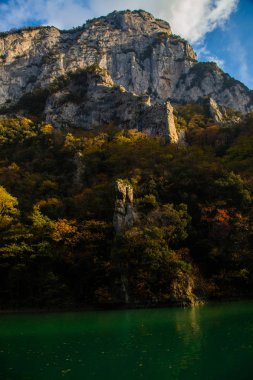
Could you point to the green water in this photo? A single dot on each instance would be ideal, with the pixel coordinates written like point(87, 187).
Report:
point(209, 342)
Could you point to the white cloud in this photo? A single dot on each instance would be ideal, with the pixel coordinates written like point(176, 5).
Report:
point(205, 55)
point(60, 13)
point(213, 58)
point(191, 19)
point(241, 59)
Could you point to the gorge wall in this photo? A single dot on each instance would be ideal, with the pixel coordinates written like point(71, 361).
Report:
point(141, 64)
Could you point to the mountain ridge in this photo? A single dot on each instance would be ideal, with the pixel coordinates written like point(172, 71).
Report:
point(138, 51)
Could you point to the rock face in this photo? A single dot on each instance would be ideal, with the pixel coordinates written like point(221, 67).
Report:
point(124, 213)
point(215, 111)
point(80, 169)
point(207, 79)
point(89, 99)
point(182, 292)
point(159, 121)
point(138, 51)
point(141, 62)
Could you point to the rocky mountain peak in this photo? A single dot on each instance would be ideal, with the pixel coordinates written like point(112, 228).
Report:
point(138, 20)
point(138, 58)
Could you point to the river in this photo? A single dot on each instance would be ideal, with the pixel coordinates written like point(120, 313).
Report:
point(208, 342)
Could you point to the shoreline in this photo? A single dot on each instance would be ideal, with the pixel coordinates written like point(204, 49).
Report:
point(94, 308)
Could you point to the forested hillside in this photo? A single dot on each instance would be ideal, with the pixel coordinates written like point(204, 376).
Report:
point(191, 241)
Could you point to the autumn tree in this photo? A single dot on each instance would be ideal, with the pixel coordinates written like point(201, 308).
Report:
point(8, 208)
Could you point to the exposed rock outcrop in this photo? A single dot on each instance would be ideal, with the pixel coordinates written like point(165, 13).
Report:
point(124, 212)
point(140, 53)
point(215, 111)
point(138, 65)
point(80, 169)
point(182, 292)
point(206, 79)
point(124, 217)
point(159, 121)
point(90, 99)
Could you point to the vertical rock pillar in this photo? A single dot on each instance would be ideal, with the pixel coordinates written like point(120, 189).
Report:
point(124, 213)
point(215, 111)
point(172, 131)
point(124, 217)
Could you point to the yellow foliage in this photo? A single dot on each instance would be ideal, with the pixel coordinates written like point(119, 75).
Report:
point(8, 208)
point(26, 122)
point(14, 167)
point(47, 129)
point(55, 202)
point(129, 136)
point(64, 230)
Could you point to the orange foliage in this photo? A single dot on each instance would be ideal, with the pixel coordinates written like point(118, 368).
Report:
point(64, 230)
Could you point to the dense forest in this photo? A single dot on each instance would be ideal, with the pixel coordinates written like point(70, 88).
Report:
point(191, 242)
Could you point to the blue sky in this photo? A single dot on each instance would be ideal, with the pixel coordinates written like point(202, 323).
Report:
point(219, 30)
point(233, 44)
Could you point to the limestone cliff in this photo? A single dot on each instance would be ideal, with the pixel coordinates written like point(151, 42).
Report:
point(207, 79)
point(137, 50)
point(139, 57)
point(89, 99)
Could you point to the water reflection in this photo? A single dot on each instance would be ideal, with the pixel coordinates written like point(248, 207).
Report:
point(199, 343)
